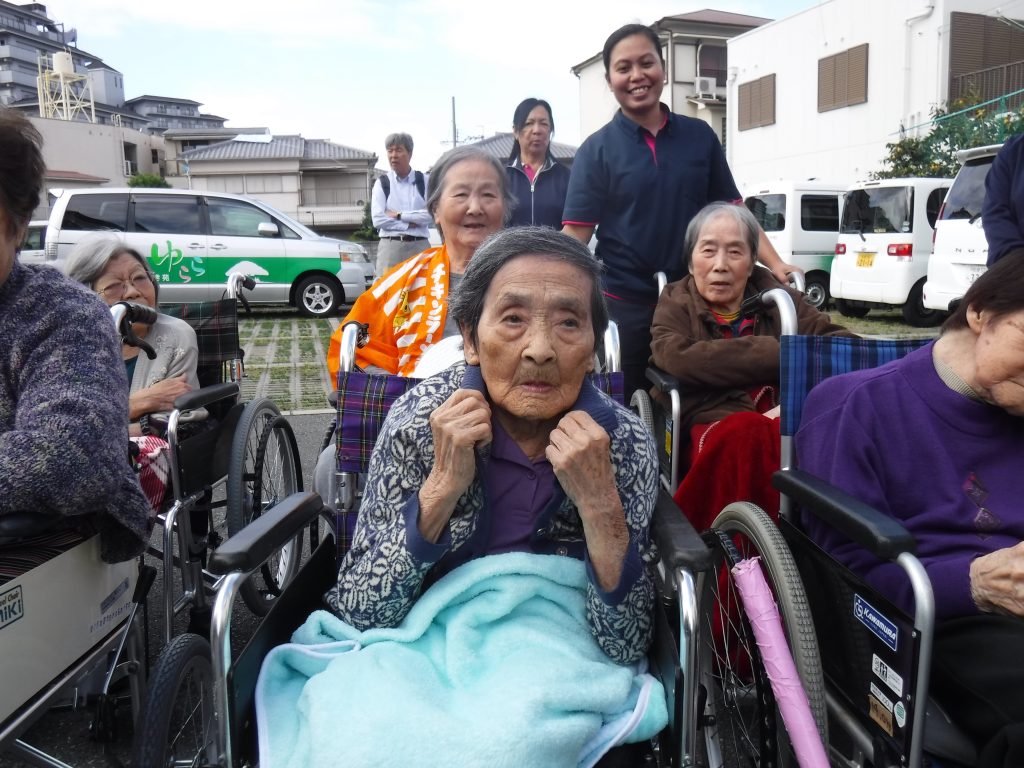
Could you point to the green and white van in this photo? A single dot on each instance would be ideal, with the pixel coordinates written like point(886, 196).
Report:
point(195, 239)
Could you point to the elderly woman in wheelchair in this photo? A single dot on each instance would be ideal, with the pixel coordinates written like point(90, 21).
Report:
point(71, 510)
point(107, 265)
point(498, 489)
point(726, 363)
point(934, 440)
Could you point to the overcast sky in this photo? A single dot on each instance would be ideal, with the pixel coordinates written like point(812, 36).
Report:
point(352, 71)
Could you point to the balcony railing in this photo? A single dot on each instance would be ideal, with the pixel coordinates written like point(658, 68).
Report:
point(329, 197)
point(991, 83)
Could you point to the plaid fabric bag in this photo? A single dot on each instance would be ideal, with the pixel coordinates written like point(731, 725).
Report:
point(216, 327)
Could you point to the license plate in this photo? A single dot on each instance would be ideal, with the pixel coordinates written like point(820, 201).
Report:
point(865, 259)
point(975, 273)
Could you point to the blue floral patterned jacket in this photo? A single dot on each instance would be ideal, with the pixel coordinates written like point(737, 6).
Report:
point(389, 563)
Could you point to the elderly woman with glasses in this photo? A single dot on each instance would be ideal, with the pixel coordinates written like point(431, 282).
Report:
point(63, 400)
point(115, 272)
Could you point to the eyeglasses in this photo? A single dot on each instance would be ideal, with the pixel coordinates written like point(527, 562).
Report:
point(116, 290)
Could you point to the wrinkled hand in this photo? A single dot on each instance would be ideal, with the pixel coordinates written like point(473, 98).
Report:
point(459, 425)
point(782, 271)
point(579, 452)
point(159, 397)
point(997, 581)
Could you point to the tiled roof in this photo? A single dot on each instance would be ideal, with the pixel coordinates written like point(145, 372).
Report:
point(709, 16)
point(278, 148)
point(500, 145)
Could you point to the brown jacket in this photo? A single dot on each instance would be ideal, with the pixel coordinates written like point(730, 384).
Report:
point(714, 372)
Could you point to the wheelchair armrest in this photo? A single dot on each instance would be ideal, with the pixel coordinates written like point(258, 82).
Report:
point(679, 545)
point(257, 541)
point(200, 398)
point(662, 381)
point(880, 534)
point(20, 525)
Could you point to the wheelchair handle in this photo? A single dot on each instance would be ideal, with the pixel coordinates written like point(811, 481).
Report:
point(781, 299)
point(124, 314)
point(354, 335)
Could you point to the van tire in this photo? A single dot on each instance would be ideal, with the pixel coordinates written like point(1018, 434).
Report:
point(318, 296)
point(915, 313)
point(816, 290)
point(851, 310)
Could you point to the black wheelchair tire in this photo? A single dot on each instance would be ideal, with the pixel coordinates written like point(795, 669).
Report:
point(264, 469)
point(753, 533)
point(181, 682)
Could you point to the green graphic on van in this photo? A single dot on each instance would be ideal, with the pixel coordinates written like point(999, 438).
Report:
point(165, 264)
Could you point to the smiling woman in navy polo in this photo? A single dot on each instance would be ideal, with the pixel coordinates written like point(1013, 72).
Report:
point(642, 177)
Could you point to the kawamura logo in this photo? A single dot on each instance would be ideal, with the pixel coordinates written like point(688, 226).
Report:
point(869, 616)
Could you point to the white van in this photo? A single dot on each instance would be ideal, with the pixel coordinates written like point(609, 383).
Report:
point(961, 250)
point(194, 239)
point(33, 247)
point(885, 240)
point(801, 221)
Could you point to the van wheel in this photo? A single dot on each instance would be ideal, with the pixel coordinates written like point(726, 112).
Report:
point(816, 290)
point(317, 296)
point(851, 310)
point(915, 313)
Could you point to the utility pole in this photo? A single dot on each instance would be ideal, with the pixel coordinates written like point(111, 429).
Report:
point(455, 131)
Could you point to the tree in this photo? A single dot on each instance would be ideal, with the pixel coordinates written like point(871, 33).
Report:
point(367, 230)
point(147, 180)
point(934, 155)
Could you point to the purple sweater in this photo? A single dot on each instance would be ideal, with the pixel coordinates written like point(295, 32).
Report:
point(899, 439)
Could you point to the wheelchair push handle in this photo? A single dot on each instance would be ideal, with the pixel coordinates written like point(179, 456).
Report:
point(236, 283)
point(781, 299)
point(124, 314)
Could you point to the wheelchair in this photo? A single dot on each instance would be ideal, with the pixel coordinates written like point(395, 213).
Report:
point(249, 449)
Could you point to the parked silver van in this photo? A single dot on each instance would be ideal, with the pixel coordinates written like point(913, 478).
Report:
point(801, 221)
point(960, 254)
point(195, 239)
point(33, 247)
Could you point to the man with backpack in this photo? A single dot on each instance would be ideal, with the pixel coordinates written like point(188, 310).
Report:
point(399, 206)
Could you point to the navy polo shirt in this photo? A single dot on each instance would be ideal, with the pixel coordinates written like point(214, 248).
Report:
point(641, 201)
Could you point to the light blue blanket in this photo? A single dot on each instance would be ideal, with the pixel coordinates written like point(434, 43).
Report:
point(494, 666)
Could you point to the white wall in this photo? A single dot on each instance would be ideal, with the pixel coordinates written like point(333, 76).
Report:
point(95, 149)
point(907, 78)
point(597, 105)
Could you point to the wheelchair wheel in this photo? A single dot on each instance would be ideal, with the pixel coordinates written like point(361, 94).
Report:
point(264, 470)
point(641, 403)
point(176, 725)
point(747, 721)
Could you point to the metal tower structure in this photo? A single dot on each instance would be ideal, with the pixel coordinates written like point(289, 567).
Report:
point(63, 93)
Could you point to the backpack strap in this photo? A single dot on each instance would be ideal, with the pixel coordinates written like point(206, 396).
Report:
point(421, 185)
point(385, 184)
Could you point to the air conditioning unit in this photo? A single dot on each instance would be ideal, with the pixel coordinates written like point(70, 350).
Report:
point(705, 87)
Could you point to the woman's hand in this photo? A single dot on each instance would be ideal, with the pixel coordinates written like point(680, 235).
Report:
point(459, 425)
point(579, 452)
point(997, 581)
point(157, 398)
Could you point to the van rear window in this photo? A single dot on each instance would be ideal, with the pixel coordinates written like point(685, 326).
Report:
point(878, 210)
point(769, 210)
point(96, 212)
point(967, 194)
point(819, 213)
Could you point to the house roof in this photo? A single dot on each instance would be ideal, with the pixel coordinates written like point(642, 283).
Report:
point(59, 175)
point(277, 148)
point(710, 16)
point(147, 97)
point(500, 146)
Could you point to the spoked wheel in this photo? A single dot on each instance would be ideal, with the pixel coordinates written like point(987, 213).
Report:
point(264, 470)
point(176, 726)
point(747, 727)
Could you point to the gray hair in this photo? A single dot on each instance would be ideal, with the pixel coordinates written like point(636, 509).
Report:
point(453, 157)
point(399, 140)
point(89, 259)
point(467, 304)
point(742, 216)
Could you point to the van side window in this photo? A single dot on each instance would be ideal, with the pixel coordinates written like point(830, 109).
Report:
point(934, 203)
point(236, 218)
point(96, 212)
point(819, 213)
point(170, 214)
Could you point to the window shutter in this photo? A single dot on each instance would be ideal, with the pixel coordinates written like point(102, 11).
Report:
point(744, 106)
point(857, 75)
point(826, 83)
point(768, 100)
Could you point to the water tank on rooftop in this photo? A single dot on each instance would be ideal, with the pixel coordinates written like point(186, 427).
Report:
point(63, 63)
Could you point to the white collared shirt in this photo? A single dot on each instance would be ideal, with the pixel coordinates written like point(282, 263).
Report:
point(406, 199)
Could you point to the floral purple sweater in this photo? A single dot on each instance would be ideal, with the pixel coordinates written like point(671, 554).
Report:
point(64, 410)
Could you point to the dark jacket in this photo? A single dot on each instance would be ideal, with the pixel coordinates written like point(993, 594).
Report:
point(1002, 214)
point(541, 202)
point(714, 372)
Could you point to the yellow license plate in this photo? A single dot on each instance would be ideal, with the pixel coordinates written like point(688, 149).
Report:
point(865, 259)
